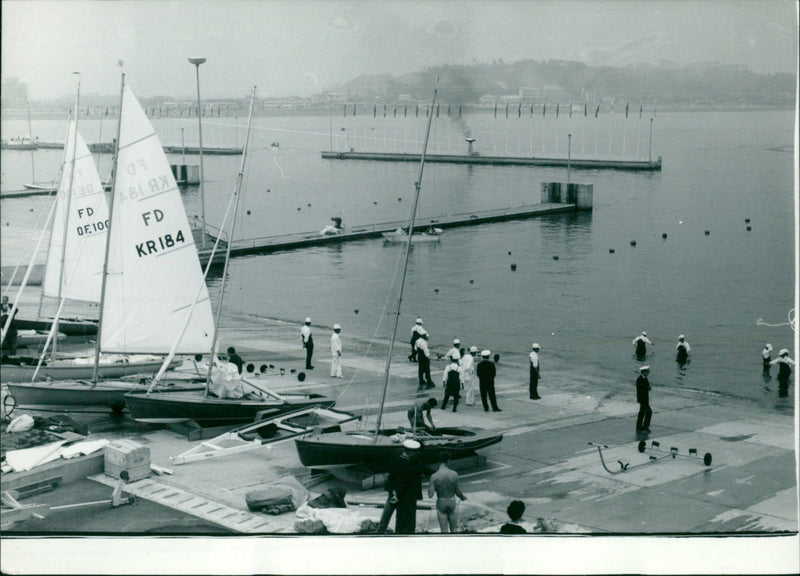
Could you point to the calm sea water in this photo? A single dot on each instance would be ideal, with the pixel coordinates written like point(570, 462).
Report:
point(584, 308)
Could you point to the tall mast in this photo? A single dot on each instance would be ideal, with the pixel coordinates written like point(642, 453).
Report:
point(108, 233)
point(33, 150)
point(66, 210)
point(237, 193)
point(417, 186)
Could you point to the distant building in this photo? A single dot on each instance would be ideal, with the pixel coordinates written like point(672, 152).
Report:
point(487, 100)
point(14, 94)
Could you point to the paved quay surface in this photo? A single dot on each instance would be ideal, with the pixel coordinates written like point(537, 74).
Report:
point(545, 460)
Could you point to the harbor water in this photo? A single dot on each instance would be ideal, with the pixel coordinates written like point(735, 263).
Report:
point(580, 287)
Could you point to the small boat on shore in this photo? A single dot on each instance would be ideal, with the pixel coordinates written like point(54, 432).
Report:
point(28, 338)
point(67, 326)
point(111, 366)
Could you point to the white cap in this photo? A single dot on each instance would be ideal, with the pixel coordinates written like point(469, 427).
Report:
point(411, 445)
point(337, 327)
point(473, 348)
point(535, 346)
point(456, 341)
point(308, 320)
point(784, 351)
point(644, 333)
point(681, 337)
point(643, 368)
point(419, 320)
point(768, 346)
point(486, 353)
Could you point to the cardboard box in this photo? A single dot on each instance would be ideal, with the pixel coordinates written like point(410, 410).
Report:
point(129, 456)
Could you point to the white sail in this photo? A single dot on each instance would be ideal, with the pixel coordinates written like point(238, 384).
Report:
point(86, 225)
point(153, 271)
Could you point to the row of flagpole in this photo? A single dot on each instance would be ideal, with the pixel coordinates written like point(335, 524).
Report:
point(456, 111)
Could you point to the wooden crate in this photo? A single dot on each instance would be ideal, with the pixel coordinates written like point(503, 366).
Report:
point(127, 455)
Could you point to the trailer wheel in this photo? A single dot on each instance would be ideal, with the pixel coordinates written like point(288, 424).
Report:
point(707, 459)
point(642, 445)
point(9, 404)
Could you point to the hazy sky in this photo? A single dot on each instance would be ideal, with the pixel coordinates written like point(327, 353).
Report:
point(307, 46)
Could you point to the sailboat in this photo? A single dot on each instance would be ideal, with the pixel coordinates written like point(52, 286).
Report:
point(377, 449)
point(202, 406)
point(73, 271)
point(151, 274)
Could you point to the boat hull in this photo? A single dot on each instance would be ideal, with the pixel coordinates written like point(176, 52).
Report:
point(348, 448)
point(64, 370)
point(171, 407)
point(69, 395)
point(415, 238)
point(70, 327)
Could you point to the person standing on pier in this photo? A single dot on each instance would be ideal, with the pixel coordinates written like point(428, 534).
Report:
point(336, 352)
point(534, 372)
point(404, 486)
point(424, 362)
point(641, 342)
point(766, 358)
point(416, 331)
point(784, 372)
point(454, 354)
point(308, 342)
point(445, 483)
point(683, 350)
point(467, 366)
point(452, 384)
point(643, 398)
point(486, 372)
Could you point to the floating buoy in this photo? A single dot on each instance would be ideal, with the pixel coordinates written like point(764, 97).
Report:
point(31, 209)
point(298, 209)
point(747, 220)
point(375, 202)
point(610, 250)
point(633, 242)
point(355, 311)
point(301, 376)
point(708, 232)
point(248, 212)
point(309, 204)
point(472, 281)
point(267, 190)
point(664, 235)
point(399, 199)
point(555, 257)
point(509, 252)
point(513, 267)
point(749, 228)
point(436, 290)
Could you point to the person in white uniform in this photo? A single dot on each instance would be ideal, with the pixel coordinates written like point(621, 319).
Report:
point(336, 352)
point(454, 354)
point(467, 366)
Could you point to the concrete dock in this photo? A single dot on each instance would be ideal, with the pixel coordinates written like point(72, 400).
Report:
point(559, 162)
point(652, 514)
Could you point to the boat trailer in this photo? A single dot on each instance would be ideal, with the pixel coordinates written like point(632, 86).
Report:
point(655, 454)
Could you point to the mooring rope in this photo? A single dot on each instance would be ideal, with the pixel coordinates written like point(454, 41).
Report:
point(792, 317)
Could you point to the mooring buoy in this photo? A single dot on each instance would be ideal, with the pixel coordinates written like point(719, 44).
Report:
point(747, 220)
point(436, 290)
point(664, 235)
point(749, 228)
point(708, 232)
point(633, 242)
point(610, 250)
point(355, 311)
point(248, 212)
point(513, 267)
point(555, 257)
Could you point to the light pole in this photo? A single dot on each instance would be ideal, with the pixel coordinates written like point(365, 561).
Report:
point(197, 62)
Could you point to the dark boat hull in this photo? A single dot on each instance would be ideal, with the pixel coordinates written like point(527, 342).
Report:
point(179, 406)
point(68, 326)
point(72, 395)
point(348, 448)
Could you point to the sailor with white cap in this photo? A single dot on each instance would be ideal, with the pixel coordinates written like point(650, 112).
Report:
point(336, 352)
point(424, 361)
point(467, 368)
point(486, 372)
point(683, 349)
point(454, 354)
point(643, 398)
point(416, 332)
point(308, 342)
point(641, 342)
point(534, 372)
point(766, 357)
point(784, 372)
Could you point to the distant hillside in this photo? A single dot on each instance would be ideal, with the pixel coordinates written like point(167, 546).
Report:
point(532, 81)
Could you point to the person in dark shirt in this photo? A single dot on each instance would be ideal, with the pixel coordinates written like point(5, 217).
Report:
point(643, 398)
point(234, 358)
point(486, 372)
point(515, 511)
point(9, 338)
point(404, 486)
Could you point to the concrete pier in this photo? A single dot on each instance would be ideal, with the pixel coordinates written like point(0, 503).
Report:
point(575, 163)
